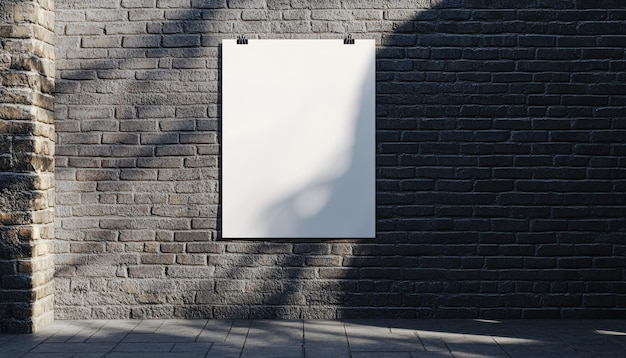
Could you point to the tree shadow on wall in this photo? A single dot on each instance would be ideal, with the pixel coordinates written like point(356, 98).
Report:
point(147, 170)
point(144, 162)
point(482, 146)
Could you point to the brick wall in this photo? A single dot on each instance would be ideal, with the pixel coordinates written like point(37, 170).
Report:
point(500, 163)
point(26, 164)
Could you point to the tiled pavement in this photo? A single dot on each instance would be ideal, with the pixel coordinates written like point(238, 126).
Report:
point(323, 339)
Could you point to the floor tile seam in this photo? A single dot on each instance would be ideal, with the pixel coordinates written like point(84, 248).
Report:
point(100, 329)
point(91, 325)
point(347, 337)
point(59, 330)
point(206, 323)
point(243, 346)
point(42, 340)
point(500, 346)
point(158, 327)
point(567, 344)
point(416, 333)
point(232, 325)
point(206, 354)
point(302, 349)
point(446, 345)
point(33, 347)
point(574, 349)
point(135, 322)
point(122, 339)
point(388, 324)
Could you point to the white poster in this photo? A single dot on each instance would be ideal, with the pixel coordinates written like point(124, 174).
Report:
point(298, 139)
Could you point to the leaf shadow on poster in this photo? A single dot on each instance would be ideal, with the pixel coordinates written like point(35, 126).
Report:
point(340, 207)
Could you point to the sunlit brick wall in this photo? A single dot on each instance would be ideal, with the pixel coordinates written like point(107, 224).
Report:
point(26, 164)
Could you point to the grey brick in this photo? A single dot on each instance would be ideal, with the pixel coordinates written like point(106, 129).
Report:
point(204, 247)
point(146, 14)
point(136, 28)
point(293, 27)
point(221, 14)
point(192, 236)
point(177, 125)
point(120, 138)
point(322, 4)
point(191, 111)
point(331, 15)
point(155, 112)
point(152, 259)
point(278, 4)
point(208, 4)
point(139, 63)
point(108, 15)
point(159, 138)
point(190, 272)
point(173, 3)
point(175, 150)
point(95, 4)
point(296, 14)
point(89, 112)
point(263, 15)
point(181, 40)
point(85, 53)
point(138, 174)
point(163, 162)
point(172, 247)
point(141, 41)
point(196, 138)
point(84, 29)
point(239, 4)
point(145, 271)
point(208, 149)
point(202, 162)
point(189, 63)
point(99, 125)
point(186, 15)
point(138, 3)
point(191, 259)
point(367, 14)
point(155, 75)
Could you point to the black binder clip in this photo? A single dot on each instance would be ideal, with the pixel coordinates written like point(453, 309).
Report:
point(348, 40)
point(242, 40)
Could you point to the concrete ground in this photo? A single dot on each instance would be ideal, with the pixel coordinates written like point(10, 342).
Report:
point(324, 339)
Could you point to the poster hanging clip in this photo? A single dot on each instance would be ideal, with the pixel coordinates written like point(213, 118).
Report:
point(348, 40)
point(242, 40)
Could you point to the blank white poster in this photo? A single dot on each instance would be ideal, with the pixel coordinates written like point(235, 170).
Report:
point(298, 139)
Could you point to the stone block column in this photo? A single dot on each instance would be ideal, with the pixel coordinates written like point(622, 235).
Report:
point(26, 164)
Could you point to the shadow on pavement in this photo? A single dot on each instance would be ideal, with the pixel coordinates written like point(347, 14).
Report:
point(316, 338)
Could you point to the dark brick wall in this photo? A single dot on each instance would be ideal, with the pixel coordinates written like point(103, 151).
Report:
point(501, 173)
point(501, 160)
point(501, 163)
